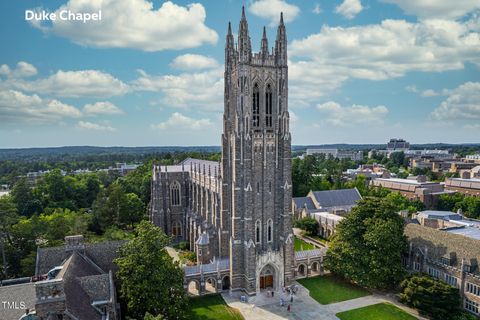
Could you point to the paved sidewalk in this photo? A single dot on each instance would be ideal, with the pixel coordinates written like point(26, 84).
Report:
point(303, 307)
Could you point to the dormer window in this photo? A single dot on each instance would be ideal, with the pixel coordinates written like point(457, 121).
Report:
point(446, 261)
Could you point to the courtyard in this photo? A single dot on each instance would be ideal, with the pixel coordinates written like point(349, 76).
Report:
point(322, 297)
point(302, 245)
point(329, 289)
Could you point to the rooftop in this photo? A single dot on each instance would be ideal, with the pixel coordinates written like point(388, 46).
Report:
point(16, 299)
point(337, 198)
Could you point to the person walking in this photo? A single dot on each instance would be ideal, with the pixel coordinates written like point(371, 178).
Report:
point(291, 298)
point(288, 308)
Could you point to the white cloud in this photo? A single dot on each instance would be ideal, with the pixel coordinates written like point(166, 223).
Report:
point(135, 24)
point(17, 107)
point(270, 10)
point(462, 103)
point(436, 9)
point(317, 9)
point(95, 126)
point(429, 93)
point(353, 115)
point(411, 88)
point(22, 70)
point(193, 62)
point(349, 8)
point(202, 90)
point(73, 84)
point(102, 107)
point(321, 62)
point(178, 121)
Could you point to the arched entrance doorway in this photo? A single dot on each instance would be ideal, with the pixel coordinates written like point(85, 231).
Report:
point(226, 283)
point(267, 277)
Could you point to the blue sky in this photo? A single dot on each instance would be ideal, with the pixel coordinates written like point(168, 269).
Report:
point(150, 73)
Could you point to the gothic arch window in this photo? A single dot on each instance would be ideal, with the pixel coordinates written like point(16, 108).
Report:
point(268, 106)
point(258, 231)
point(269, 230)
point(176, 229)
point(256, 106)
point(175, 193)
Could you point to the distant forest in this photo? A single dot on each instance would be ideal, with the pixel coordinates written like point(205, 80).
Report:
point(18, 162)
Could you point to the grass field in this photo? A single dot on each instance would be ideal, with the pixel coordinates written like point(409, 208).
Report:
point(381, 311)
point(306, 246)
point(212, 307)
point(329, 289)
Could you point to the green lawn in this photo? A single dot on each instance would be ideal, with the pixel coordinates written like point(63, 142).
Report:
point(381, 311)
point(212, 307)
point(306, 246)
point(329, 289)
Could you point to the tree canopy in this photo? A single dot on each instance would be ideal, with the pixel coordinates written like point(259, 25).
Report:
point(368, 245)
point(431, 297)
point(150, 280)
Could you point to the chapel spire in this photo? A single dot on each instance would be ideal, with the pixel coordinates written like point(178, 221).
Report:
point(281, 43)
point(264, 44)
point(244, 44)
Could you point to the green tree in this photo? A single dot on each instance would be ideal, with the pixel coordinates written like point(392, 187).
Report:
point(310, 225)
point(368, 245)
point(431, 297)
point(24, 199)
point(133, 211)
point(150, 280)
point(110, 206)
point(149, 316)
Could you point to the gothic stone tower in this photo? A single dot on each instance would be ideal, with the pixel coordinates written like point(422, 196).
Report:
point(256, 162)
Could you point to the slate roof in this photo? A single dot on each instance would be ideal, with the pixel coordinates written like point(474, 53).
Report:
point(17, 293)
point(102, 254)
point(78, 300)
point(337, 198)
point(444, 244)
point(301, 202)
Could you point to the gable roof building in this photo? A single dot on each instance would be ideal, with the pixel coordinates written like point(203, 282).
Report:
point(337, 202)
point(74, 281)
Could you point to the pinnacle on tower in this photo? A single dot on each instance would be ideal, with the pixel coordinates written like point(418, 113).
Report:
point(244, 44)
point(264, 44)
point(281, 43)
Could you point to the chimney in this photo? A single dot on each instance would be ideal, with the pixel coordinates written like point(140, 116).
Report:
point(74, 243)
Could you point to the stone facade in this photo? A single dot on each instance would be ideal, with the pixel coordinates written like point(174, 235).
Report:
point(240, 209)
point(452, 258)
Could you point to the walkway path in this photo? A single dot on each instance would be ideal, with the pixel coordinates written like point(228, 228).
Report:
point(299, 234)
point(303, 307)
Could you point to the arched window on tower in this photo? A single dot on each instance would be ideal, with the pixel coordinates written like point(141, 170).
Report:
point(269, 230)
point(268, 106)
point(175, 193)
point(256, 106)
point(258, 231)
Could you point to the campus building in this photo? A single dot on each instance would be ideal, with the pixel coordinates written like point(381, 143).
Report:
point(449, 256)
point(414, 188)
